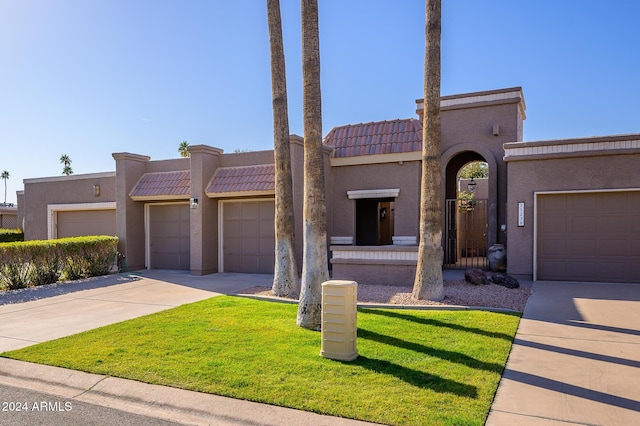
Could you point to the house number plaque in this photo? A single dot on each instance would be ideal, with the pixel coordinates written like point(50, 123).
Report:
point(521, 213)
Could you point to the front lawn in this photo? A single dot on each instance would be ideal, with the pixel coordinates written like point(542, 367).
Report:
point(415, 367)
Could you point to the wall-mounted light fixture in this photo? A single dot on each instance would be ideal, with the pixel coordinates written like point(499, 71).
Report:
point(193, 203)
point(96, 190)
point(472, 185)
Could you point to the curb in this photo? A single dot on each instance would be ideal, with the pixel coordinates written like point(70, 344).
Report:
point(162, 402)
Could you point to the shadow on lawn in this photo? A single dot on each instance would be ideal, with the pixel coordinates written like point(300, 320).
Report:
point(436, 323)
point(416, 378)
point(450, 356)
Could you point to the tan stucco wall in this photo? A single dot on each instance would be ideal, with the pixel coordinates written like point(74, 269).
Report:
point(405, 176)
point(581, 171)
point(73, 189)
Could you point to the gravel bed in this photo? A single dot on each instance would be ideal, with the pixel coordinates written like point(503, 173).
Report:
point(456, 293)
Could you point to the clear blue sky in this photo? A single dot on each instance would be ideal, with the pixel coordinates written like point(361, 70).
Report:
point(88, 78)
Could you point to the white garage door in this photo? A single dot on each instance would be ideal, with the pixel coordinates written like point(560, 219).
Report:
point(589, 237)
point(248, 236)
point(169, 236)
point(80, 223)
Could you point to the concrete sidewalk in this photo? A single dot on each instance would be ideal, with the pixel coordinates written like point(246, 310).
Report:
point(162, 402)
point(575, 358)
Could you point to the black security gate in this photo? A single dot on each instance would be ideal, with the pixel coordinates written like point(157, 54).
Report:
point(465, 234)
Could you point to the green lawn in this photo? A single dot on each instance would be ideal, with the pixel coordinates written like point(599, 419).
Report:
point(415, 367)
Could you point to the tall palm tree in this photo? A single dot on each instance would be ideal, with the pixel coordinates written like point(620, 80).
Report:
point(66, 162)
point(4, 176)
point(285, 278)
point(183, 149)
point(428, 282)
point(314, 268)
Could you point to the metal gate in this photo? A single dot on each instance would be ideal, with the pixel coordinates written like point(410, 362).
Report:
point(465, 234)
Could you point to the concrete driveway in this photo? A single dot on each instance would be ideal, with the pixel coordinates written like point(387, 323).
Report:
point(34, 315)
point(575, 359)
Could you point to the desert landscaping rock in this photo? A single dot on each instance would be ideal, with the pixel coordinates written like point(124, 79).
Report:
point(504, 280)
point(476, 276)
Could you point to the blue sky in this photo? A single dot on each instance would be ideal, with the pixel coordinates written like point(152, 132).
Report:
point(88, 78)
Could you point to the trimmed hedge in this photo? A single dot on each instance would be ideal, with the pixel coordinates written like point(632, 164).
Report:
point(32, 263)
point(11, 235)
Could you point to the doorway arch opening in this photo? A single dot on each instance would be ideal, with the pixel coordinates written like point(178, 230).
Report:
point(466, 212)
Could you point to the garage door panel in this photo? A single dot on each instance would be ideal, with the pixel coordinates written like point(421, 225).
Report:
point(266, 263)
point(250, 228)
point(249, 236)
point(554, 224)
point(553, 247)
point(582, 224)
point(578, 204)
point(614, 248)
point(250, 211)
point(582, 248)
point(80, 223)
point(613, 224)
point(600, 240)
point(169, 236)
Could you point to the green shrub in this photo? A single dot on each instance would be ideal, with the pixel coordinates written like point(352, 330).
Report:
point(87, 256)
point(11, 235)
point(31, 263)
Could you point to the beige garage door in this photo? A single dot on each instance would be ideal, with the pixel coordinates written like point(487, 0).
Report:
point(169, 236)
point(589, 237)
point(79, 223)
point(249, 237)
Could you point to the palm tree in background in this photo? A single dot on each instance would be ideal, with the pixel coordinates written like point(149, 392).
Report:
point(285, 278)
point(315, 269)
point(183, 149)
point(66, 162)
point(5, 176)
point(428, 282)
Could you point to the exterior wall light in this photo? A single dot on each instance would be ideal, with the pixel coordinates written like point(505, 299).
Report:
point(193, 203)
point(96, 190)
point(472, 185)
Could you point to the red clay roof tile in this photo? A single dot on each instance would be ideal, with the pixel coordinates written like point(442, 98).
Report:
point(382, 137)
point(165, 185)
point(243, 179)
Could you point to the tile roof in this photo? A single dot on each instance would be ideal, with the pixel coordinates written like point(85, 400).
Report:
point(163, 185)
point(257, 178)
point(382, 137)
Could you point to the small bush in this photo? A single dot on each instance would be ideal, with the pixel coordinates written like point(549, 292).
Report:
point(11, 235)
point(31, 263)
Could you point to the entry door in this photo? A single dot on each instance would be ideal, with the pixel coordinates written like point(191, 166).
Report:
point(374, 222)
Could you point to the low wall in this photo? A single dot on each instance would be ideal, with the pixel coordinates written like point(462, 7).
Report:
point(375, 265)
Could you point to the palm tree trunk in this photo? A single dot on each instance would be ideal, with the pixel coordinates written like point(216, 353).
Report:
point(315, 268)
point(428, 283)
point(285, 279)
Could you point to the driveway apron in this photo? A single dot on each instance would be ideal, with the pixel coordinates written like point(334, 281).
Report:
point(36, 315)
point(575, 358)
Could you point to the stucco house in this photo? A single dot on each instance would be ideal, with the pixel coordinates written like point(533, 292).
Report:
point(564, 209)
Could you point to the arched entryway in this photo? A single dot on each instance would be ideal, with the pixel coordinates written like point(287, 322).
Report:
point(469, 209)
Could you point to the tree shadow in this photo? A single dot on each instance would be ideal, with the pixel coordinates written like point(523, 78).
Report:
point(436, 323)
point(420, 379)
point(451, 356)
point(577, 353)
point(568, 389)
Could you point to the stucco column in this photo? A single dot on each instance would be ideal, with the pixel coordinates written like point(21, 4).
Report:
point(204, 218)
point(129, 213)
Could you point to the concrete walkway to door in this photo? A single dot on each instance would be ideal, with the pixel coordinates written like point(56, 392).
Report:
point(575, 358)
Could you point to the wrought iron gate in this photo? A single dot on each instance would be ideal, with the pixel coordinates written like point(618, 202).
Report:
point(465, 234)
